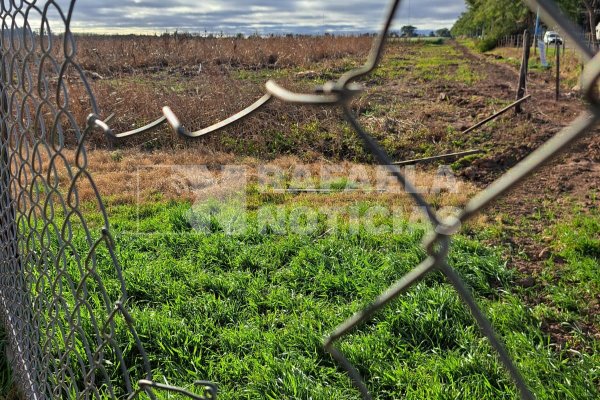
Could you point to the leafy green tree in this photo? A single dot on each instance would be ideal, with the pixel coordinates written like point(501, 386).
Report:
point(408, 31)
point(572, 9)
point(444, 32)
point(592, 7)
point(492, 19)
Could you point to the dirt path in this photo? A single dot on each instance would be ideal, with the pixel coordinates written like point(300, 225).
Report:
point(574, 174)
point(571, 177)
point(568, 182)
point(547, 117)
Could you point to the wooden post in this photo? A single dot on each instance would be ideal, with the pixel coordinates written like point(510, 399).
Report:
point(524, 69)
point(557, 70)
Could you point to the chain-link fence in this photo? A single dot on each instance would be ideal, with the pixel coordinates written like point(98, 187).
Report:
point(517, 41)
point(65, 327)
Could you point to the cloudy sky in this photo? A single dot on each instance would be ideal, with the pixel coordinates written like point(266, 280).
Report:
point(263, 16)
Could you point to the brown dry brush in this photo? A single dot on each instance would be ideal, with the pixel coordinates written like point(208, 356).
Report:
point(125, 54)
point(140, 75)
point(205, 80)
point(133, 77)
point(276, 130)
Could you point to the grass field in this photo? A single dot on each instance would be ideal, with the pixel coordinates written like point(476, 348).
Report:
point(249, 311)
point(570, 64)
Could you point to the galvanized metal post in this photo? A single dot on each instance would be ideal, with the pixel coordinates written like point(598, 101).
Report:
point(557, 45)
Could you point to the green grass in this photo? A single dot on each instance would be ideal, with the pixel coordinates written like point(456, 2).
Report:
point(262, 75)
point(249, 312)
point(6, 377)
point(469, 43)
point(565, 288)
point(430, 61)
point(569, 282)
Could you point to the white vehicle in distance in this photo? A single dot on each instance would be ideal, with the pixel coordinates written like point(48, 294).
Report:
point(552, 37)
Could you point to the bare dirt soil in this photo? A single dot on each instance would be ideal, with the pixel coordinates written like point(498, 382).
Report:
point(571, 178)
point(569, 181)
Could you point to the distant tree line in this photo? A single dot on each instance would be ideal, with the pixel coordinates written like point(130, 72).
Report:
point(490, 20)
point(411, 31)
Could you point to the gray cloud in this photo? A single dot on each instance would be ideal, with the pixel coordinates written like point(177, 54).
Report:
point(264, 16)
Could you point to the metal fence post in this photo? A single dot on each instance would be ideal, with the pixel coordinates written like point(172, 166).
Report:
point(557, 70)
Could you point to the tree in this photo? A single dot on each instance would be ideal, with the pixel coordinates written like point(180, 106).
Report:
point(444, 32)
point(492, 19)
point(408, 31)
point(584, 13)
point(592, 8)
point(572, 9)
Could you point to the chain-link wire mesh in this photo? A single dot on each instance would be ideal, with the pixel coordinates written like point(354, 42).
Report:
point(65, 326)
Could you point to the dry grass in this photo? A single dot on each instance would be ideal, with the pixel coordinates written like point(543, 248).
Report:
point(204, 80)
point(140, 84)
point(110, 55)
point(570, 64)
point(131, 176)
